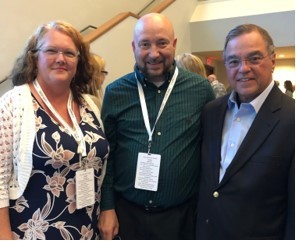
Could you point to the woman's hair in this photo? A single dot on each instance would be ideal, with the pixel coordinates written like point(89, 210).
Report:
point(248, 28)
point(191, 63)
point(25, 67)
point(288, 85)
point(95, 85)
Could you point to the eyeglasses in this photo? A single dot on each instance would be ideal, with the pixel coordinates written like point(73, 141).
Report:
point(54, 53)
point(254, 60)
point(104, 72)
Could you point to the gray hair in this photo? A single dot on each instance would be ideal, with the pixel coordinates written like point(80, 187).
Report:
point(248, 28)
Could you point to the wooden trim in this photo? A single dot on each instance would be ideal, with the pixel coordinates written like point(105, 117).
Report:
point(162, 6)
point(3, 80)
point(108, 25)
point(93, 35)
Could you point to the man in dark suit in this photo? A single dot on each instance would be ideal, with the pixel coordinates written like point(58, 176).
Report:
point(248, 153)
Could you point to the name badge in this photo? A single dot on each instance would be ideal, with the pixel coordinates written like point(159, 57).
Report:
point(147, 173)
point(85, 188)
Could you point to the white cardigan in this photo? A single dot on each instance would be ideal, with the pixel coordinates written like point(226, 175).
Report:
point(17, 134)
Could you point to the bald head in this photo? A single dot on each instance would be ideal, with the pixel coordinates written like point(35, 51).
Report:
point(154, 21)
point(154, 46)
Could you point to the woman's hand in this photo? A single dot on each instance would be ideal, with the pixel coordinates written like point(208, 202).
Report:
point(5, 228)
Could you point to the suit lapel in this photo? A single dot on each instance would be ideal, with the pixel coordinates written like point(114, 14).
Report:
point(262, 126)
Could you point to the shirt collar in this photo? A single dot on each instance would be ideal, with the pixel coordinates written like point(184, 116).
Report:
point(256, 103)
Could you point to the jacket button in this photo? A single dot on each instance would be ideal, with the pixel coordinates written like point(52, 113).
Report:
point(215, 194)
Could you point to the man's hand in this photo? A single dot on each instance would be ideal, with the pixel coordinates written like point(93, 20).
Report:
point(108, 224)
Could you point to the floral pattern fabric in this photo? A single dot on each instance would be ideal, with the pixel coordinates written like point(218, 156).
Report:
point(47, 208)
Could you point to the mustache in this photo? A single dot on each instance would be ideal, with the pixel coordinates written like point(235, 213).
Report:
point(154, 61)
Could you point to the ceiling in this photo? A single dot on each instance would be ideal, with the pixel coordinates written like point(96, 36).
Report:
point(281, 53)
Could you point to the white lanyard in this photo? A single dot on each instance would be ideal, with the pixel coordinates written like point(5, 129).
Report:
point(144, 106)
point(76, 133)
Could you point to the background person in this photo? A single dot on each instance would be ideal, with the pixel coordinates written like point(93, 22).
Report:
point(51, 141)
point(248, 176)
point(95, 85)
point(156, 203)
point(191, 63)
point(289, 88)
point(218, 87)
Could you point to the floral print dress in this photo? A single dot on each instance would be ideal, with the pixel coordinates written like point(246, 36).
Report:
point(47, 208)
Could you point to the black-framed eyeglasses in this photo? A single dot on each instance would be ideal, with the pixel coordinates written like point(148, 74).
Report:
point(253, 60)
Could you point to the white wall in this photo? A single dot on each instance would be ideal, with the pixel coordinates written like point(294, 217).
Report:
point(212, 20)
point(212, 10)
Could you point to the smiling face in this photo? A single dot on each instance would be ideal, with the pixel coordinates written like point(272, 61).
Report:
point(56, 69)
point(154, 46)
point(247, 79)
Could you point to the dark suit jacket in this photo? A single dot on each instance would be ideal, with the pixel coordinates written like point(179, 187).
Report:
point(256, 197)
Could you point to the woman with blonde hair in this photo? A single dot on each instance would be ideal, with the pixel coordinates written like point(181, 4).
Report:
point(191, 63)
point(98, 77)
point(289, 88)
